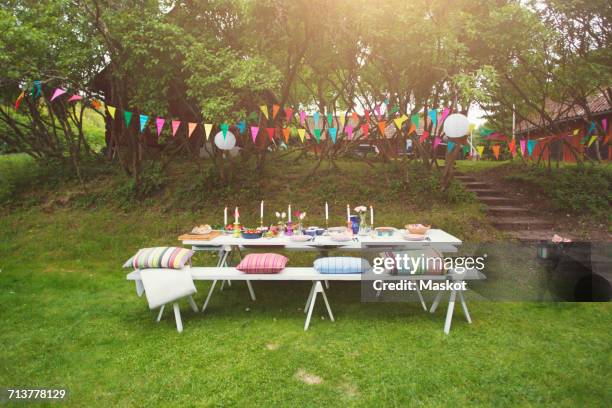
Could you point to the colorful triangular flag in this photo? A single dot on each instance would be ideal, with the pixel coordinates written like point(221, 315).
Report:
point(127, 115)
point(302, 117)
point(159, 123)
point(316, 119)
point(57, 93)
point(317, 134)
point(207, 129)
point(286, 132)
point(400, 121)
point(19, 99)
point(301, 134)
point(143, 122)
point(191, 126)
point(523, 147)
point(424, 136)
point(75, 98)
point(349, 131)
point(254, 132)
point(275, 109)
point(530, 146)
point(593, 139)
point(382, 125)
point(224, 129)
point(415, 119)
point(436, 142)
point(111, 110)
point(495, 149)
point(480, 150)
point(270, 133)
point(330, 119)
point(365, 129)
point(288, 114)
point(341, 120)
point(241, 126)
point(433, 115)
point(333, 133)
point(445, 113)
point(175, 126)
point(264, 110)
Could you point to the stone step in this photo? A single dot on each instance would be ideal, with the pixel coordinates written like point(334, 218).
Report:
point(486, 192)
point(520, 223)
point(475, 184)
point(507, 210)
point(534, 235)
point(465, 178)
point(494, 200)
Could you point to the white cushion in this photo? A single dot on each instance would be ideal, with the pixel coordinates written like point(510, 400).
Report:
point(166, 285)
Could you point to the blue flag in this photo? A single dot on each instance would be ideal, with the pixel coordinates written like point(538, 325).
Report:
point(332, 133)
point(143, 122)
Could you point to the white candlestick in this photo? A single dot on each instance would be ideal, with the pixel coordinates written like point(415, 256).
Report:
point(225, 217)
point(348, 213)
point(326, 211)
point(289, 213)
point(371, 215)
point(236, 216)
point(261, 211)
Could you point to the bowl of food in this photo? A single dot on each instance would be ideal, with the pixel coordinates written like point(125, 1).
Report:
point(229, 228)
point(384, 231)
point(313, 231)
point(417, 228)
point(301, 238)
point(251, 233)
point(340, 237)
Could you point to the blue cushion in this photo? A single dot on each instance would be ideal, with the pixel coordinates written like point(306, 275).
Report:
point(341, 264)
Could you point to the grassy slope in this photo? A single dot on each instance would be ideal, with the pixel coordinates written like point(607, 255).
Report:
point(69, 318)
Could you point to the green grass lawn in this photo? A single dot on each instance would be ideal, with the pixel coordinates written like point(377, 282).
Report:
point(70, 319)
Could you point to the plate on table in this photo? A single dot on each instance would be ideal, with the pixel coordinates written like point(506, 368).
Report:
point(414, 237)
point(341, 237)
point(337, 230)
point(301, 238)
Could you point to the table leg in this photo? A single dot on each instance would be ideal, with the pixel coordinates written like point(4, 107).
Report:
point(449, 312)
point(309, 299)
point(436, 302)
point(418, 291)
point(161, 311)
point(329, 312)
point(177, 316)
point(311, 306)
point(251, 291)
point(193, 304)
point(465, 308)
point(210, 292)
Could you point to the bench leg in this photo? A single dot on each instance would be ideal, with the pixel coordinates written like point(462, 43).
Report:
point(449, 312)
point(418, 291)
point(465, 308)
point(317, 287)
point(329, 312)
point(161, 311)
point(193, 304)
point(210, 292)
point(177, 316)
point(326, 284)
point(436, 302)
point(251, 291)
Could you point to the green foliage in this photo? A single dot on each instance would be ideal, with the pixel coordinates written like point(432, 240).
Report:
point(578, 190)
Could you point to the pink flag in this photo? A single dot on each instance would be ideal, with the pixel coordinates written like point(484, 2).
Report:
point(57, 93)
point(377, 110)
point(445, 113)
point(349, 131)
point(75, 98)
point(424, 136)
point(523, 146)
point(160, 124)
point(175, 126)
point(192, 127)
point(254, 132)
point(437, 141)
point(289, 114)
point(604, 124)
point(302, 117)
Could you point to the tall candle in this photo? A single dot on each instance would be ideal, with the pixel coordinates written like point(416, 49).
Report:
point(236, 216)
point(371, 215)
point(326, 211)
point(225, 217)
point(261, 210)
point(348, 213)
point(289, 213)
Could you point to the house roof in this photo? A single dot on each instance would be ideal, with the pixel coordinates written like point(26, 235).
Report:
point(564, 112)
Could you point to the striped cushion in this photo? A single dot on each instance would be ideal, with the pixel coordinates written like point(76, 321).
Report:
point(160, 257)
point(341, 264)
point(262, 263)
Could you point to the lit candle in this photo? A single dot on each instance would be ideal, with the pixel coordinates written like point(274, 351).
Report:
point(261, 210)
point(236, 216)
point(225, 217)
point(326, 211)
point(289, 213)
point(348, 213)
point(371, 215)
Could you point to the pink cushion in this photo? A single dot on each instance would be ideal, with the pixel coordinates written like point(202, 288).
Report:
point(262, 263)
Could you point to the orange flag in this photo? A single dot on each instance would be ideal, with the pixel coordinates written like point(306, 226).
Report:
point(412, 128)
point(286, 132)
point(275, 109)
point(495, 149)
point(192, 127)
point(96, 104)
point(355, 117)
point(382, 126)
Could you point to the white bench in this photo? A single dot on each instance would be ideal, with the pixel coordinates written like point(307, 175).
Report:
point(309, 274)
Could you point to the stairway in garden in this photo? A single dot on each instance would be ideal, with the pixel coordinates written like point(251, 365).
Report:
point(505, 212)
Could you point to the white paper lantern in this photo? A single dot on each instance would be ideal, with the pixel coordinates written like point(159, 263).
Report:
point(456, 125)
point(225, 143)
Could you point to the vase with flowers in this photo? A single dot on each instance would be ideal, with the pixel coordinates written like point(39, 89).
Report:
point(362, 211)
point(300, 216)
point(280, 222)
